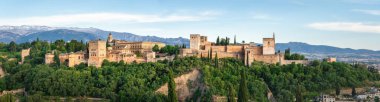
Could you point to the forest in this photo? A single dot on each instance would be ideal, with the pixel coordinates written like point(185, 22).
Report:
point(137, 82)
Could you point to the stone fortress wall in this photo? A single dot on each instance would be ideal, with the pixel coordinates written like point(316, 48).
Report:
point(111, 50)
point(120, 50)
point(200, 47)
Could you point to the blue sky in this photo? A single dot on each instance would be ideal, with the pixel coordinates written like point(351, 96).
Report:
point(342, 23)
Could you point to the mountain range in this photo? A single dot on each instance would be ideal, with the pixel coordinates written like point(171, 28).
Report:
point(27, 33)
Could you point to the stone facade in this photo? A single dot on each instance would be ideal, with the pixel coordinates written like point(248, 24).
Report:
point(331, 59)
point(71, 59)
point(97, 53)
point(248, 53)
point(117, 50)
point(24, 53)
point(49, 58)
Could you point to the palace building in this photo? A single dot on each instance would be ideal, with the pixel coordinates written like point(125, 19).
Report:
point(201, 47)
point(111, 50)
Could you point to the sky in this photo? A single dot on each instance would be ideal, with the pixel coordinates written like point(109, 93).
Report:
point(341, 23)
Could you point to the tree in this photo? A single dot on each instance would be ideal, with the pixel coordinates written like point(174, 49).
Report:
point(12, 47)
point(231, 93)
point(216, 60)
point(171, 88)
point(227, 41)
point(235, 39)
point(337, 90)
point(243, 90)
point(156, 48)
point(287, 53)
point(353, 93)
point(299, 97)
point(57, 62)
point(377, 99)
point(217, 41)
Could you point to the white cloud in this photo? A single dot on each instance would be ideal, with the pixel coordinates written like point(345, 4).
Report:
point(371, 12)
point(99, 18)
point(261, 16)
point(346, 26)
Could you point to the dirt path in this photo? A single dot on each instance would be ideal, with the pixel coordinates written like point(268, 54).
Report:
point(182, 85)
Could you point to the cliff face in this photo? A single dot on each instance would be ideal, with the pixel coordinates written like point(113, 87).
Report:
point(186, 85)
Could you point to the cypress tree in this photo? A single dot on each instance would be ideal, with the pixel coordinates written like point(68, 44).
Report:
point(299, 97)
point(243, 90)
point(353, 93)
point(216, 60)
point(231, 93)
point(225, 43)
point(210, 55)
point(217, 41)
point(171, 88)
point(235, 39)
point(56, 59)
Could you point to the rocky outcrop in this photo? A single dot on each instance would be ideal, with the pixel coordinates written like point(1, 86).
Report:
point(186, 85)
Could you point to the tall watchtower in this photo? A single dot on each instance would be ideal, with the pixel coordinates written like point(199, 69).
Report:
point(195, 41)
point(109, 39)
point(269, 45)
point(97, 53)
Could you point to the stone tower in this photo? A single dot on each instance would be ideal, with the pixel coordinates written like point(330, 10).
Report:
point(269, 46)
point(109, 39)
point(97, 53)
point(195, 41)
point(24, 53)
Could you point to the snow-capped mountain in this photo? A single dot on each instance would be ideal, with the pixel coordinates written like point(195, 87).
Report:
point(27, 29)
point(27, 33)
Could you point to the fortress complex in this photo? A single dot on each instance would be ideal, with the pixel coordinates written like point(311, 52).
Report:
point(201, 47)
point(111, 50)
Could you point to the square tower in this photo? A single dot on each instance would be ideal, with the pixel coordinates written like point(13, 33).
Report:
point(97, 53)
point(269, 46)
point(195, 41)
